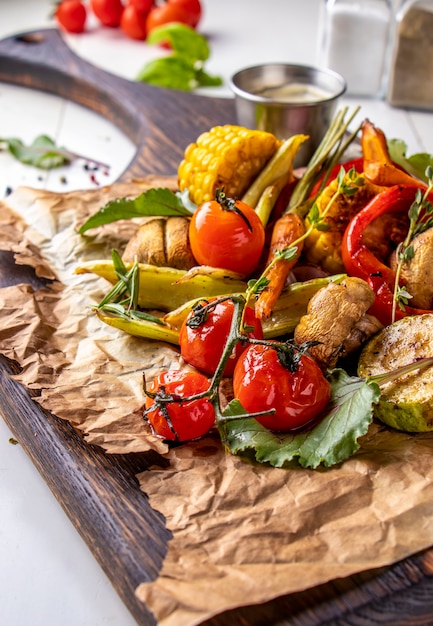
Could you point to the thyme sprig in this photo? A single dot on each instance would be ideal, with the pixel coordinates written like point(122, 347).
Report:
point(348, 183)
point(420, 219)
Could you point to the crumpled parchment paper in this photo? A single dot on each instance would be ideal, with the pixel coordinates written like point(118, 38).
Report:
point(243, 533)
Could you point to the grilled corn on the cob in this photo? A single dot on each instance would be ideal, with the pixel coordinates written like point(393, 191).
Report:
point(225, 156)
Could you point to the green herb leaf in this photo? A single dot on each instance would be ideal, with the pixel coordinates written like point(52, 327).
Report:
point(152, 202)
point(183, 69)
point(171, 72)
point(203, 79)
point(183, 40)
point(415, 165)
point(130, 314)
point(287, 254)
point(331, 441)
point(42, 153)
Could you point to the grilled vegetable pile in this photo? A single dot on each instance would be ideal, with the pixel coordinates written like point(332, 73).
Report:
point(275, 282)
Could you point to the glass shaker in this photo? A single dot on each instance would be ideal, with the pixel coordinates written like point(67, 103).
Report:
point(353, 41)
point(411, 70)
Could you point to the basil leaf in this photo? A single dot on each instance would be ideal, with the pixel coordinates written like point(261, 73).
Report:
point(183, 69)
point(171, 72)
point(152, 202)
point(183, 40)
point(203, 79)
point(331, 441)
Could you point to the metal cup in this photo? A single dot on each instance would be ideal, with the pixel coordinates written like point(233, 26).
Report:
point(288, 100)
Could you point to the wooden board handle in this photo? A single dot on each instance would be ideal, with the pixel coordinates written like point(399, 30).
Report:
point(160, 122)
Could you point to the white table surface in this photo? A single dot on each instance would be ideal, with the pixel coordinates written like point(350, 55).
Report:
point(47, 574)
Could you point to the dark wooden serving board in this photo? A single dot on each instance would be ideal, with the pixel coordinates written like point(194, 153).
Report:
point(99, 492)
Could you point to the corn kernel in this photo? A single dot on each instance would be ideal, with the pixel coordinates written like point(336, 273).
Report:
point(225, 156)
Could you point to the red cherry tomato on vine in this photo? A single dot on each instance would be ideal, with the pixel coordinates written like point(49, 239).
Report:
point(261, 382)
point(167, 13)
point(71, 16)
point(108, 12)
point(194, 9)
point(187, 420)
point(202, 345)
point(228, 234)
point(133, 23)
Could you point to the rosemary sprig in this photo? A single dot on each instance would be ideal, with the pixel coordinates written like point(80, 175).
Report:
point(122, 299)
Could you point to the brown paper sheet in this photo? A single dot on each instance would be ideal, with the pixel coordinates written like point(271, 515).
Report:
point(243, 533)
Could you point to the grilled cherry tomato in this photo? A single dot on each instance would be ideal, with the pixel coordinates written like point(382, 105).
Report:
point(133, 23)
point(262, 381)
point(180, 421)
point(108, 12)
point(71, 16)
point(228, 234)
point(202, 339)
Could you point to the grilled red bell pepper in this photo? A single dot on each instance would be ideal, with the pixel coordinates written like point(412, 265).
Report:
point(361, 262)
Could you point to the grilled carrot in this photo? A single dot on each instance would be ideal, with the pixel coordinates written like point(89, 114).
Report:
point(288, 232)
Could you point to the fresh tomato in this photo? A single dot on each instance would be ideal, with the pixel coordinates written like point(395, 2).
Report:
point(179, 421)
point(143, 6)
point(194, 9)
point(108, 12)
point(228, 234)
point(166, 13)
point(133, 23)
point(71, 16)
point(262, 382)
point(203, 338)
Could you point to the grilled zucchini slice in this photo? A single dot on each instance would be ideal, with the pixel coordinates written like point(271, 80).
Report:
point(405, 404)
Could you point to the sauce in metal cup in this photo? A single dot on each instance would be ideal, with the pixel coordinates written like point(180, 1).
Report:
point(287, 100)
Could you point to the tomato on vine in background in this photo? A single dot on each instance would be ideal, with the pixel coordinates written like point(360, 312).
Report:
point(184, 11)
point(227, 234)
point(71, 15)
point(194, 9)
point(284, 379)
point(179, 421)
point(143, 6)
point(204, 333)
point(133, 22)
point(108, 12)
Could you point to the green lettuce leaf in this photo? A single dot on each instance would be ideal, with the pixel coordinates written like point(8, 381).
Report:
point(333, 440)
point(152, 202)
